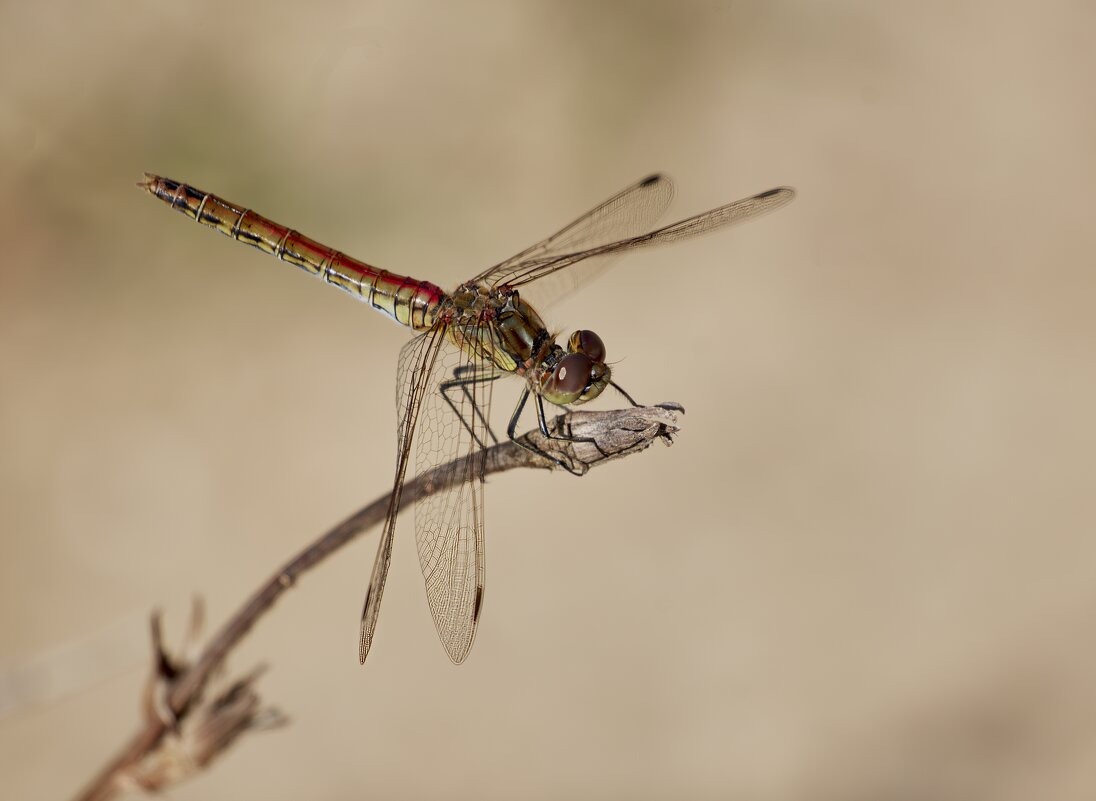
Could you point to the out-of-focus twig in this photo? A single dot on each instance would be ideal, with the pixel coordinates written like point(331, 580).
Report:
point(589, 439)
point(206, 729)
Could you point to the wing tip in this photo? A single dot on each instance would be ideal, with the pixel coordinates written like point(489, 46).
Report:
point(458, 652)
point(364, 643)
point(366, 633)
point(457, 638)
point(785, 192)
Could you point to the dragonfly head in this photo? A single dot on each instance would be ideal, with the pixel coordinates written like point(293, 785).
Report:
point(579, 375)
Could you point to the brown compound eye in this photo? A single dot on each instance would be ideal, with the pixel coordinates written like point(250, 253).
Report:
point(572, 374)
point(569, 380)
point(589, 343)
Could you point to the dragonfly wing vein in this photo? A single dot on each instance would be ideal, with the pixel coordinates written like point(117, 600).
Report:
point(628, 213)
point(416, 377)
point(748, 208)
point(449, 524)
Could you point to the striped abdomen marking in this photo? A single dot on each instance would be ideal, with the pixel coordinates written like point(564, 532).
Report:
point(407, 301)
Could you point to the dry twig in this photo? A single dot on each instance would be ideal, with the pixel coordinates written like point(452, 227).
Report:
point(159, 755)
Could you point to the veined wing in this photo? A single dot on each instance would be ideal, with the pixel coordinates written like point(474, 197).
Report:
point(449, 525)
point(416, 378)
point(626, 214)
point(537, 267)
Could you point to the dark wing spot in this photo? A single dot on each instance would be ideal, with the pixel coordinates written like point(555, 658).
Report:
point(478, 604)
point(368, 595)
point(651, 179)
point(770, 193)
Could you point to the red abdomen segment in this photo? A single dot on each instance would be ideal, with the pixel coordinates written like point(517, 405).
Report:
point(407, 301)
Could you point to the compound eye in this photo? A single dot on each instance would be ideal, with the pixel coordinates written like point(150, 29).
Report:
point(572, 374)
point(589, 343)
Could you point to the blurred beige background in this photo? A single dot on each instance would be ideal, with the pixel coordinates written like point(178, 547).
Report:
point(866, 570)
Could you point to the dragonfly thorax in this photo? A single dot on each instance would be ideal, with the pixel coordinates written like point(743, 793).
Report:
point(520, 329)
point(495, 325)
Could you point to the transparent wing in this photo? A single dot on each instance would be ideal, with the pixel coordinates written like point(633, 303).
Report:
point(537, 267)
point(416, 378)
point(449, 525)
point(626, 214)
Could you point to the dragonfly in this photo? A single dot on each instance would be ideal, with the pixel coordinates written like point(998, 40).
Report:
point(466, 339)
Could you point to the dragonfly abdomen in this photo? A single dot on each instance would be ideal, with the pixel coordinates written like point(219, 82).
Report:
point(407, 301)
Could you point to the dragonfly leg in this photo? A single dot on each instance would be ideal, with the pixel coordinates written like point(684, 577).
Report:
point(568, 437)
point(627, 397)
point(674, 407)
point(572, 467)
point(542, 424)
point(464, 377)
point(512, 426)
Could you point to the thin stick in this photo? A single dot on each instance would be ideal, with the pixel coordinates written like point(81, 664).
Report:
point(593, 438)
